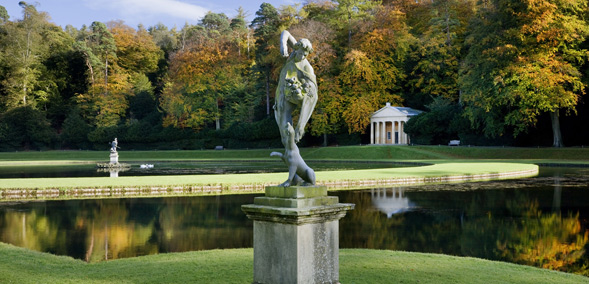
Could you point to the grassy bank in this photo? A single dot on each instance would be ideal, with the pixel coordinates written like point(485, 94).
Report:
point(400, 153)
point(18, 265)
point(420, 174)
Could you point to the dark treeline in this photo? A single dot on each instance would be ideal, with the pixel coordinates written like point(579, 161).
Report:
point(489, 72)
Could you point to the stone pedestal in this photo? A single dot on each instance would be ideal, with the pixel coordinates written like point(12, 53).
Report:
point(114, 173)
point(114, 157)
point(296, 235)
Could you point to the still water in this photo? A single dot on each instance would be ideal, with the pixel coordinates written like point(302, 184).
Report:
point(541, 221)
point(179, 168)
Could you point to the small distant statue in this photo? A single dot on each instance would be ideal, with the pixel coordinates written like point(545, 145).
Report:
point(114, 146)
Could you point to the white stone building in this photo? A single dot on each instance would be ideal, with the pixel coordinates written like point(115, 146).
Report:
point(387, 125)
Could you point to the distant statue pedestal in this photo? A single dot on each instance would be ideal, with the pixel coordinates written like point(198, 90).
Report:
point(296, 235)
point(114, 157)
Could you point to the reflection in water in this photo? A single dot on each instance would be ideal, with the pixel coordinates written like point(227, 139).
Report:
point(390, 203)
point(557, 193)
point(178, 168)
point(540, 221)
point(114, 172)
point(96, 230)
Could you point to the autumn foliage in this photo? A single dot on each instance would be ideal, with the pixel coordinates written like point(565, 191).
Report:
point(503, 68)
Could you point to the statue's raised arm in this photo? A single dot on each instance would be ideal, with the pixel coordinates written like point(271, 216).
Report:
point(286, 41)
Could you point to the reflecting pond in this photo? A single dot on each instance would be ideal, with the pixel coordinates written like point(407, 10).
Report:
point(540, 221)
point(180, 168)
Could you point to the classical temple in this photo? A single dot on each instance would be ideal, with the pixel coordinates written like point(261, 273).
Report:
point(387, 125)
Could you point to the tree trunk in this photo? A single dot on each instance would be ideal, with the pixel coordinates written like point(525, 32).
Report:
point(557, 137)
point(217, 117)
point(248, 44)
point(324, 139)
point(106, 76)
point(268, 95)
point(349, 30)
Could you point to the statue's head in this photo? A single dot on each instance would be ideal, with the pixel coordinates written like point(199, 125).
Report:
point(302, 48)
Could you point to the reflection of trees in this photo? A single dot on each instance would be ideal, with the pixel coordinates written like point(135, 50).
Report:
point(504, 225)
point(203, 223)
point(531, 237)
point(95, 230)
point(111, 233)
point(31, 230)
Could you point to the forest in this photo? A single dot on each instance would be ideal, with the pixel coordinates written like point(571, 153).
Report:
point(487, 72)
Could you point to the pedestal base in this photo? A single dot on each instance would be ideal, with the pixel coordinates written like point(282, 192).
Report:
point(296, 235)
point(114, 157)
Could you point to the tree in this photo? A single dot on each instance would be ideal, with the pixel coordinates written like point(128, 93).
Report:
point(167, 41)
point(3, 15)
point(523, 61)
point(352, 10)
point(106, 101)
point(26, 128)
point(103, 44)
point(435, 57)
point(372, 71)
point(75, 130)
point(265, 25)
point(440, 124)
point(290, 15)
point(217, 23)
point(204, 76)
point(136, 51)
point(240, 32)
point(22, 52)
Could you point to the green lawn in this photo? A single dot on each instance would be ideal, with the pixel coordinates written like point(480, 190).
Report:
point(400, 153)
point(18, 265)
point(420, 173)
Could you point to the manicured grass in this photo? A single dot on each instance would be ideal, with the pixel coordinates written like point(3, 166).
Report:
point(438, 170)
point(401, 153)
point(18, 265)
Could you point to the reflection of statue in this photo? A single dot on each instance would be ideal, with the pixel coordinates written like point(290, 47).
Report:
point(113, 147)
point(297, 87)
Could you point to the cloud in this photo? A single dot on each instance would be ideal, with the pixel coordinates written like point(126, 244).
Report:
point(141, 10)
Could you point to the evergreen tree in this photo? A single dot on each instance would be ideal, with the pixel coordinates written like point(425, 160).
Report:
point(265, 25)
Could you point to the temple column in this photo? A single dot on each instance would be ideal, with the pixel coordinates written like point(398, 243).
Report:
point(371, 132)
point(377, 137)
point(384, 131)
point(393, 130)
point(401, 133)
point(376, 133)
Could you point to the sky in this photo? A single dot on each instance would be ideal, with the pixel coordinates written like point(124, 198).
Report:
point(134, 12)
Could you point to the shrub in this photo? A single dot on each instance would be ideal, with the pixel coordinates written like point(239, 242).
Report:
point(26, 128)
